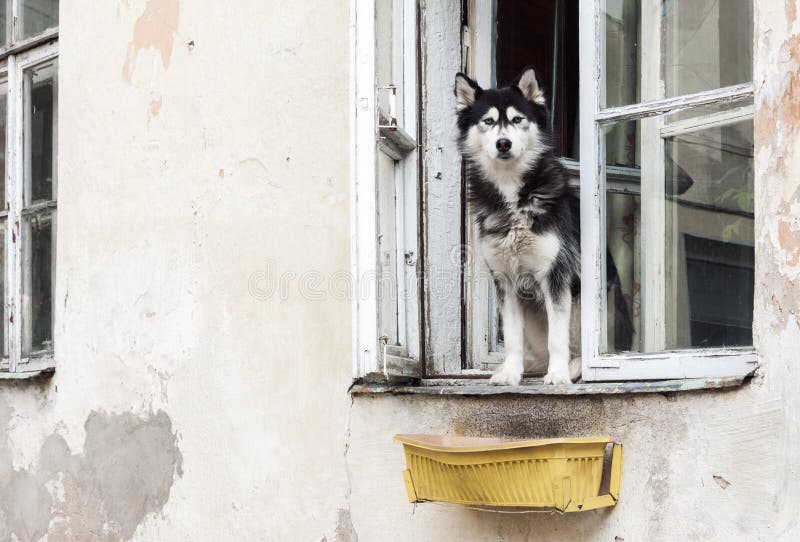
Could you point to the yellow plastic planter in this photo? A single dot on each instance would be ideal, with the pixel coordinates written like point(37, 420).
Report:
point(554, 474)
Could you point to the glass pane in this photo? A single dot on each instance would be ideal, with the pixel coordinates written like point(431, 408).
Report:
point(3, 310)
point(686, 179)
point(38, 15)
point(663, 48)
point(709, 235)
point(40, 132)
point(3, 136)
point(623, 252)
point(38, 273)
point(3, 22)
point(389, 57)
point(387, 249)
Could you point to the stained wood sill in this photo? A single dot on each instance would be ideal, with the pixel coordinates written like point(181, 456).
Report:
point(535, 386)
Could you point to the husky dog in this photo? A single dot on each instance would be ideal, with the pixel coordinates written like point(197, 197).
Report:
point(528, 224)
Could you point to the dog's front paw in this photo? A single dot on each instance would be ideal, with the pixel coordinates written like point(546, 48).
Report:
point(557, 378)
point(505, 377)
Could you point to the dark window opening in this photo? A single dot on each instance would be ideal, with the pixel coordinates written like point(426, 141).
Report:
point(544, 34)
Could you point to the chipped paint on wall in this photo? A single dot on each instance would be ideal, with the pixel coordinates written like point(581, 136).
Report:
point(155, 106)
point(123, 474)
point(154, 29)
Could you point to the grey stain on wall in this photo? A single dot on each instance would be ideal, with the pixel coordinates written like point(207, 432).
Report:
point(124, 473)
point(525, 418)
point(345, 532)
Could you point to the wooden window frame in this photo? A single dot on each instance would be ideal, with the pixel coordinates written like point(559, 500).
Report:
point(19, 56)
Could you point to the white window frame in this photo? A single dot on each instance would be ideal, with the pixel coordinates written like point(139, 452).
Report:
point(19, 56)
point(373, 131)
point(663, 365)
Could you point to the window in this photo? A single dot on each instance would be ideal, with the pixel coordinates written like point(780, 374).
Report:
point(670, 98)
point(29, 127)
point(386, 311)
point(651, 103)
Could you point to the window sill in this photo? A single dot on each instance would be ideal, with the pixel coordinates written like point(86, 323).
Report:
point(27, 375)
point(534, 386)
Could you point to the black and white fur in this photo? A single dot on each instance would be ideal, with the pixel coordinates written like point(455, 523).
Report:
point(528, 224)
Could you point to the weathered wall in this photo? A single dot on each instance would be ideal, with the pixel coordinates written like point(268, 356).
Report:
point(203, 146)
point(199, 141)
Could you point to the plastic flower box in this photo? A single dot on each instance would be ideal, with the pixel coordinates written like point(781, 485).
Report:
point(566, 475)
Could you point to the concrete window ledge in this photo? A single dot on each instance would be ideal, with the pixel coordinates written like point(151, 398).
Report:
point(534, 386)
point(27, 375)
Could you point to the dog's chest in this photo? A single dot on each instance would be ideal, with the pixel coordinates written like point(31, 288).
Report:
point(519, 250)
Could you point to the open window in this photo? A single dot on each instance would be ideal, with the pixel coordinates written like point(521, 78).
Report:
point(385, 180)
point(651, 104)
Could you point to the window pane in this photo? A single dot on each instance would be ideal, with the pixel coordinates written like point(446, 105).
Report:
point(389, 56)
point(387, 250)
point(3, 22)
point(623, 294)
point(709, 237)
point(3, 310)
point(38, 268)
point(3, 136)
point(664, 48)
point(38, 15)
point(679, 230)
point(40, 132)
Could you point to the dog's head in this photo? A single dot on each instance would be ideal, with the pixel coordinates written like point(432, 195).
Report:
point(504, 128)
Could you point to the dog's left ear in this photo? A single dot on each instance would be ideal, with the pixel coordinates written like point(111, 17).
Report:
point(527, 84)
point(467, 91)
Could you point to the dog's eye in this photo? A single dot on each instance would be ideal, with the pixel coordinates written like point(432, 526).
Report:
point(489, 121)
point(516, 120)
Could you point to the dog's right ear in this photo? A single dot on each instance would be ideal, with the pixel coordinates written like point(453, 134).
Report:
point(529, 87)
point(467, 91)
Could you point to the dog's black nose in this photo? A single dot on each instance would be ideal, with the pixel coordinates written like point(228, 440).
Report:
point(503, 145)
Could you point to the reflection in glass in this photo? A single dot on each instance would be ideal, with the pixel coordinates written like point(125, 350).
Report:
point(38, 15)
point(3, 22)
point(3, 137)
point(709, 235)
point(38, 267)
point(664, 48)
point(387, 250)
point(622, 52)
point(3, 312)
point(679, 230)
point(389, 55)
point(624, 261)
point(40, 132)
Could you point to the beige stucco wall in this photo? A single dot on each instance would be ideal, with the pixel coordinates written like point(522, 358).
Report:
point(189, 406)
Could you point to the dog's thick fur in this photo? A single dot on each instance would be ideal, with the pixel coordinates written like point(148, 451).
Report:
point(528, 223)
